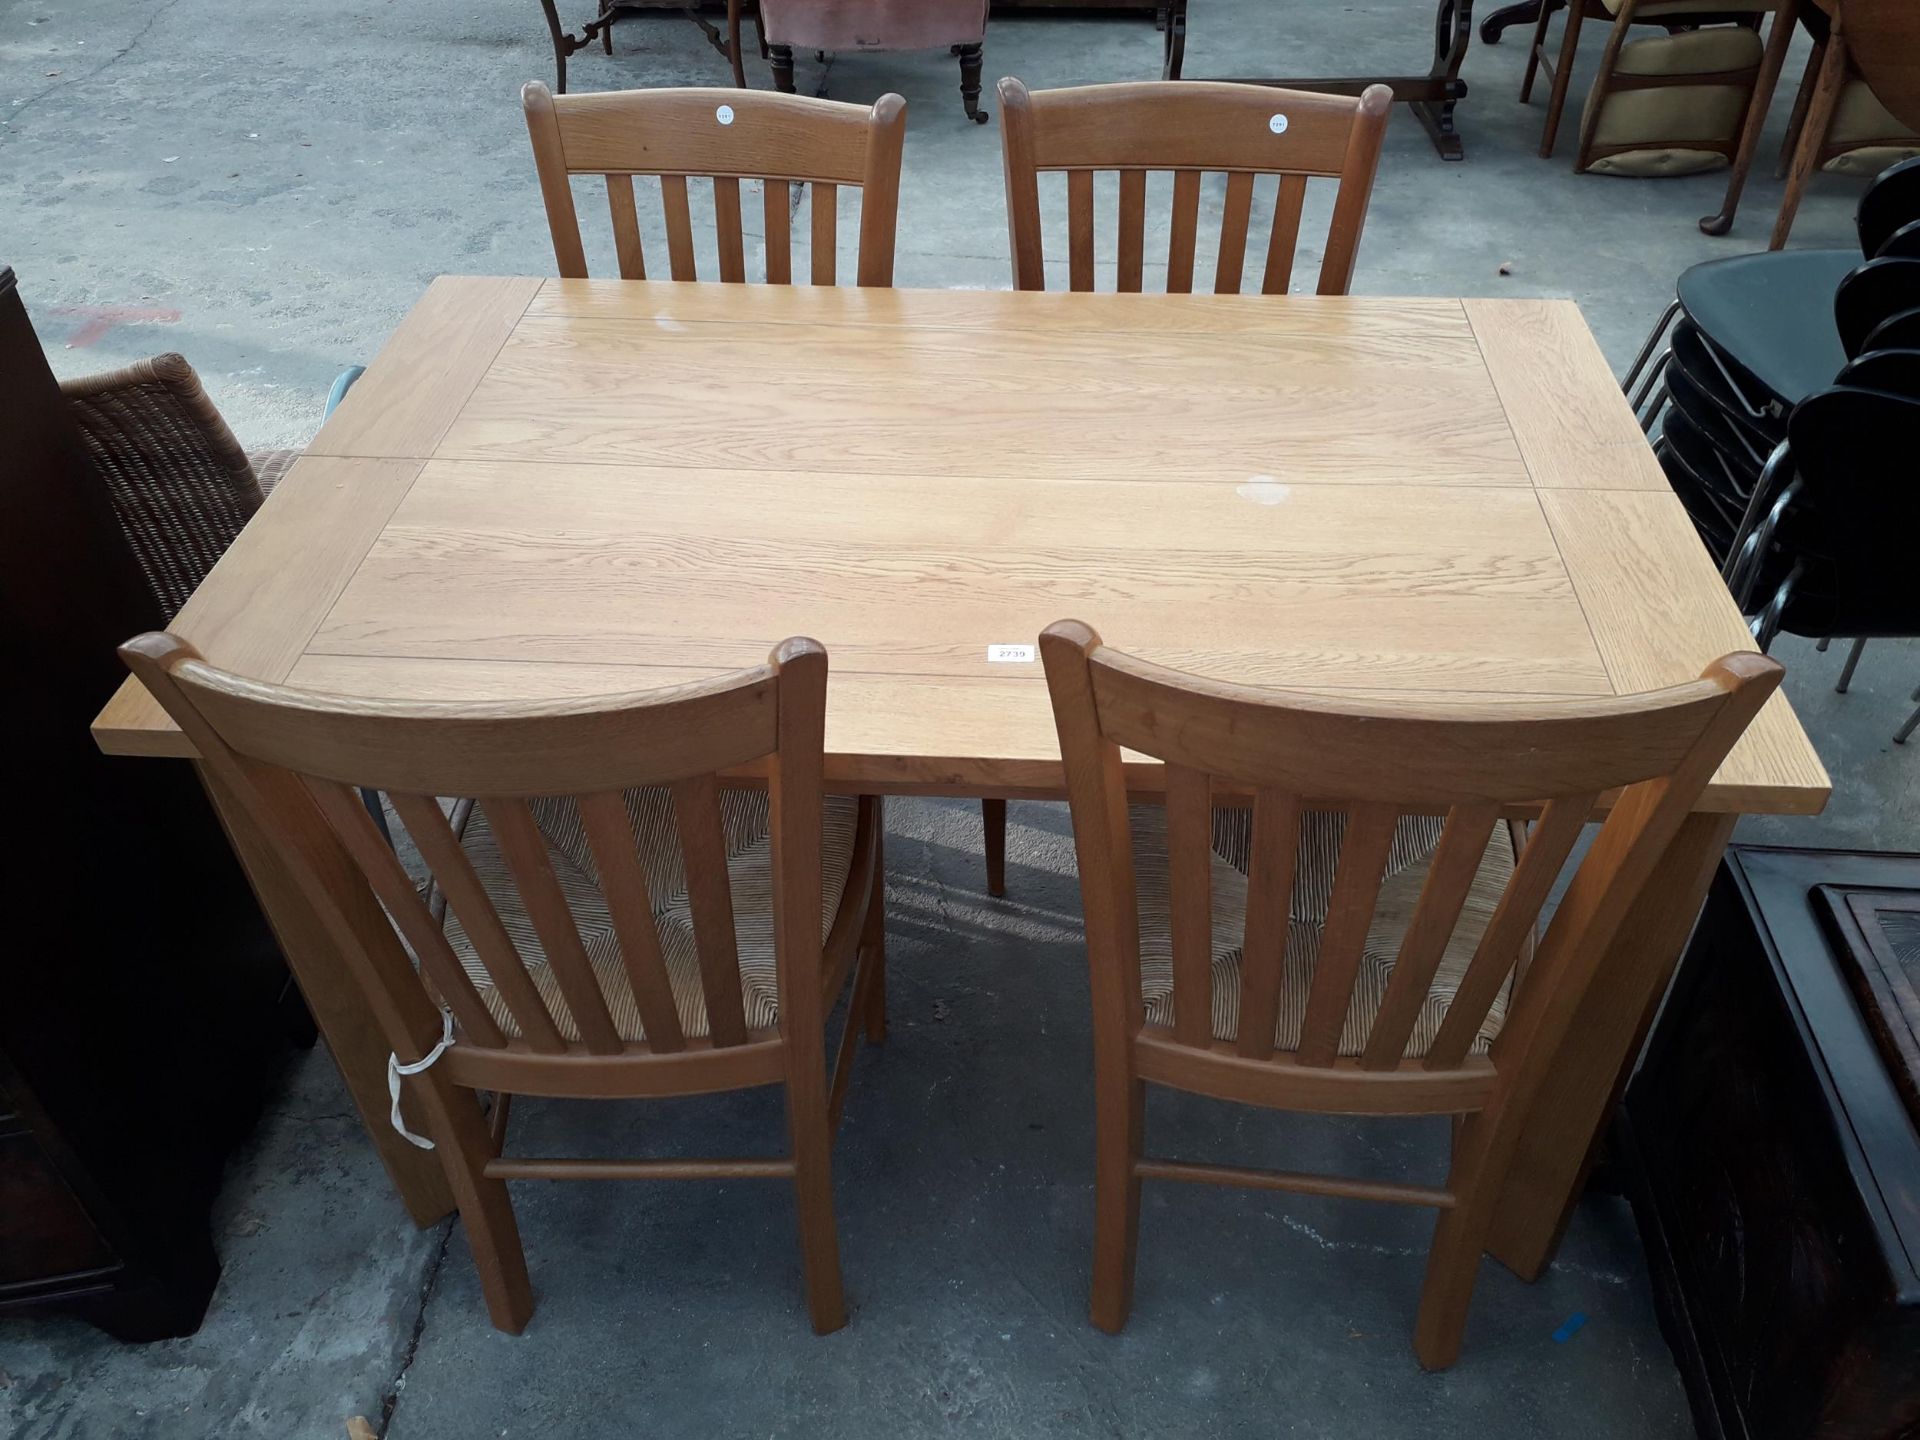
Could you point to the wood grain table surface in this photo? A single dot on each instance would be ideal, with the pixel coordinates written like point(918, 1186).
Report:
point(573, 487)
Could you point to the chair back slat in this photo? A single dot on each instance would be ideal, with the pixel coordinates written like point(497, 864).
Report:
point(823, 209)
point(1133, 230)
point(1510, 930)
point(1343, 941)
point(1378, 764)
point(725, 136)
point(776, 201)
point(524, 849)
point(1463, 844)
point(728, 231)
point(1285, 237)
point(529, 905)
point(1080, 229)
point(453, 872)
point(1271, 861)
point(1190, 896)
point(346, 813)
point(626, 227)
point(1231, 263)
point(1184, 234)
point(679, 216)
point(696, 814)
point(610, 838)
point(1189, 128)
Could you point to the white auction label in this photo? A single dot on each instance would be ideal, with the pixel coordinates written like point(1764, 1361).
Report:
point(1278, 124)
point(724, 114)
point(1011, 654)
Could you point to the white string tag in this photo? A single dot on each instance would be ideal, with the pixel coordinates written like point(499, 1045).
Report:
point(395, 1070)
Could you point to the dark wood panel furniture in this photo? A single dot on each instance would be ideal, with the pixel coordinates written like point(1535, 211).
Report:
point(1773, 1163)
point(1432, 96)
point(136, 1034)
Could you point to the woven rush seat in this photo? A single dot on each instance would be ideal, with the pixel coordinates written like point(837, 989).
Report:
point(745, 825)
point(1406, 871)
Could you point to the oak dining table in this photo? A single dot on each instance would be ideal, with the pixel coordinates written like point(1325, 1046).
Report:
point(568, 487)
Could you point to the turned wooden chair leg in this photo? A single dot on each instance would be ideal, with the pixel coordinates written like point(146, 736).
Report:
point(780, 61)
point(1813, 135)
point(559, 47)
point(734, 56)
point(464, 1143)
point(812, 1141)
point(1562, 76)
point(873, 940)
point(1121, 1122)
point(1759, 101)
point(971, 59)
point(993, 816)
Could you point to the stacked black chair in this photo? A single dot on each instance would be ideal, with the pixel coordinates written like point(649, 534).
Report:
point(1779, 407)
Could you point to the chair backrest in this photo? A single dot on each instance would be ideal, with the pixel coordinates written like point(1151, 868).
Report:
point(1883, 43)
point(1892, 372)
point(1890, 203)
point(298, 761)
point(1472, 763)
point(1871, 294)
point(727, 136)
point(1859, 506)
point(1899, 331)
point(182, 487)
point(1189, 127)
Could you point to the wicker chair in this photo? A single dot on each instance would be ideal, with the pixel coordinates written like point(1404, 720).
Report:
point(181, 485)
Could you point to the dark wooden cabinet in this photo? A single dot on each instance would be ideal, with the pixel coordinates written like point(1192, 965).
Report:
point(143, 1006)
point(1774, 1165)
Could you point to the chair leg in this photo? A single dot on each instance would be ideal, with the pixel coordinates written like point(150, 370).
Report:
point(1602, 85)
point(1913, 721)
point(464, 1143)
point(971, 59)
point(993, 816)
point(780, 61)
point(1533, 51)
point(1562, 76)
point(874, 941)
point(1116, 1200)
point(1459, 1239)
point(812, 1141)
point(1813, 136)
point(1797, 117)
point(734, 57)
point(1846, 670)
point(559, 47)
point(1759, 101)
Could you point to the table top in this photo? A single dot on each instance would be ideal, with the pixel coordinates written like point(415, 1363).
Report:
point(576, 487)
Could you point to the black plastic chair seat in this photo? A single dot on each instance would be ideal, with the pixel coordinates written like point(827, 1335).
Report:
point(1772, 316)
point(1712, 376)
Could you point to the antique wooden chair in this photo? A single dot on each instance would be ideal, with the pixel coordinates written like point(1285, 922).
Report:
point(617, 924)
point(866, 26)
point(729, 136)
point(1183, 995)
point(1189, 127)
point(1861, 92)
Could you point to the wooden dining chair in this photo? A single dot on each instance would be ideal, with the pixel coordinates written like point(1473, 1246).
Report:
point(1189, 128)
point(726, 136)
point(616, 924)
point(1861, 92)
point(1250, 1008)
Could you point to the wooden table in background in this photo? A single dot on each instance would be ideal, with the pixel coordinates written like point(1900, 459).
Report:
point(571, 487)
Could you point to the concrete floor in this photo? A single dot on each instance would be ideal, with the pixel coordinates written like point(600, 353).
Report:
point(267, 190)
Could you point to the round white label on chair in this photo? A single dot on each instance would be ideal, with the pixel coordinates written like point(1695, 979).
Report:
point(1278, 124)
point(725, 115)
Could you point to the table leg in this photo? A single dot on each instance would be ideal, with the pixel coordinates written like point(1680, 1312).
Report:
point(1778, 38)
point(1452, 32)
point(339, 1008)
point(1583, 1088)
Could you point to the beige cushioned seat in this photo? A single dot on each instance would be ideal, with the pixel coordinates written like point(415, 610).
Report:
point(1406, 871)
point(1857, 118)
point(744, 822)
point(1708, 113)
